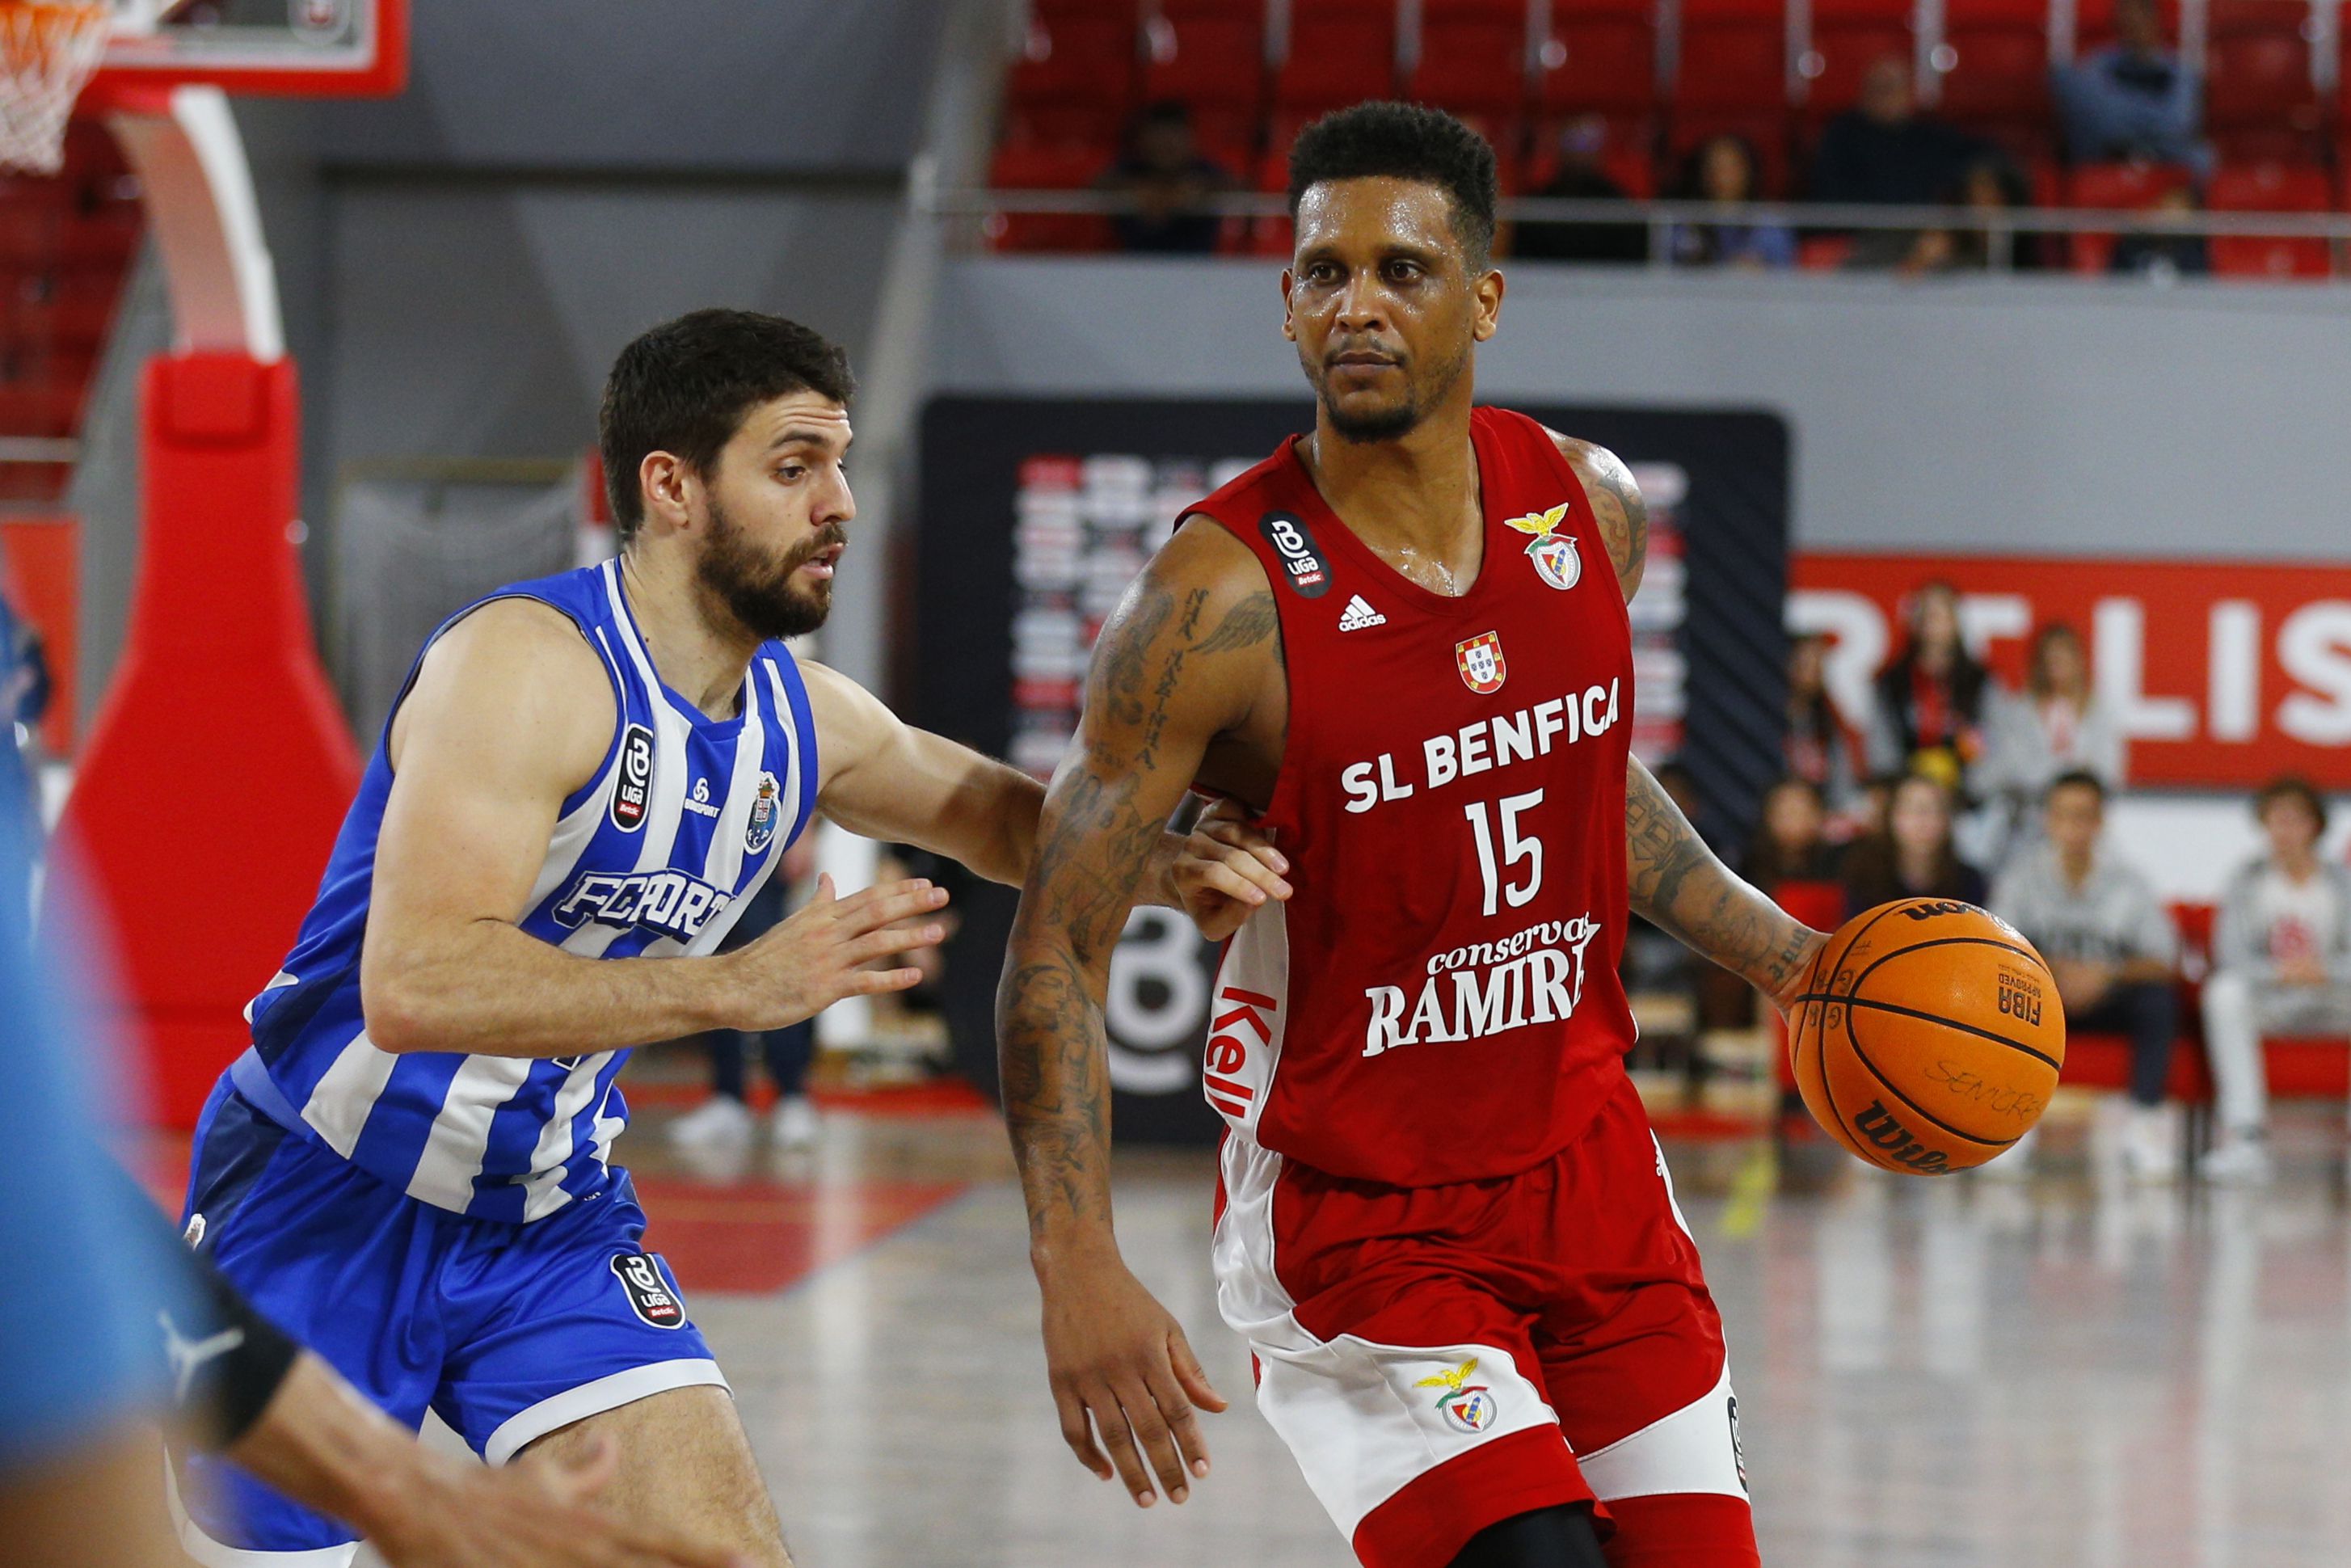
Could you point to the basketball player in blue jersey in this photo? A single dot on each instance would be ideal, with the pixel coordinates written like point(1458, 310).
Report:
point(585, 778)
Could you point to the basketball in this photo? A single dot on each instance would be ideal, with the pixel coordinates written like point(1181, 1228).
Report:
point(1931, 1039)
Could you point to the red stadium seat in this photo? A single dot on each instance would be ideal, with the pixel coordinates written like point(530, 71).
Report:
point(1994, 71)
point(1077, 57)
point(1475, 64)
point(2119, 187)
point(1824, 253)
point(1215, 63)
point(2269, 188)
point(1273, 236)
point(1046, 168)
point(1847, 35)
point(1341, 52)
point(1600, 59)
point(1734, 58)
point(2261, 100)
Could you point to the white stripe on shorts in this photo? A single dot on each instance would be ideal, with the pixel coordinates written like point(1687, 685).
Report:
point(1363, 1420)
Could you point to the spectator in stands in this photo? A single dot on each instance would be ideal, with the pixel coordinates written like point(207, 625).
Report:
point(1793, 845)
point(1883, 150)
point(2135, 99)
point(1582, 176)
point(1164, 170)
point(2281, 966)
point(1913, 857)
point(1721, 169)
point(1988, 185)
point(2112, 950)
point(1931, 697)
point(1871, 804)
point(2054, 726)
point(1818, 747)
point(2161, 258)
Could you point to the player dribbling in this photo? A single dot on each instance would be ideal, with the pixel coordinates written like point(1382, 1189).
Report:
point(1444, 1226)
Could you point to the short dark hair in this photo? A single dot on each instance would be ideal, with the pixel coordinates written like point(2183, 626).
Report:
point(1403, 141)
point(2291, 787)
point(2077, 778)
point(685, 386)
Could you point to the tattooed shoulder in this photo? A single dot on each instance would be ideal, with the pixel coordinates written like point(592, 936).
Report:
point(1616, 503)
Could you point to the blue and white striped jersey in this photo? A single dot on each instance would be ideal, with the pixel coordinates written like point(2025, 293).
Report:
point(654, 856)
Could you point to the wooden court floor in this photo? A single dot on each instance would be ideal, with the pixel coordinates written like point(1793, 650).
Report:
point(2066, 1373)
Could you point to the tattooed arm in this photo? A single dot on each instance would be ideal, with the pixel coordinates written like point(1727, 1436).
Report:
point(1616, 505)
point(1180, 662)
point(1678, 886)
point(1678, 883)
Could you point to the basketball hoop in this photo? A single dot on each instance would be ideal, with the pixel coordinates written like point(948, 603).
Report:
point(49, 51)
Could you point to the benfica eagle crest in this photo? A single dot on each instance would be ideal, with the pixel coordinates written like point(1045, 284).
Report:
point(1553, 553)
point(1480, 660)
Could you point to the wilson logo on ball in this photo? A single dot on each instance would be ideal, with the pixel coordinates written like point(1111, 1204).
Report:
point(1878, 1126)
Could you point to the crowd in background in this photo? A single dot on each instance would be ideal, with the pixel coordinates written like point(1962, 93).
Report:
point(2134, 100)
point(1952, 786)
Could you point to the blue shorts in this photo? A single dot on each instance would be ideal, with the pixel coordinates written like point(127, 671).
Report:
point(506, 1332)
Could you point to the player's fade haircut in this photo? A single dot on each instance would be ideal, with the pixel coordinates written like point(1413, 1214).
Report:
point(1405, 141)
point(684, 388)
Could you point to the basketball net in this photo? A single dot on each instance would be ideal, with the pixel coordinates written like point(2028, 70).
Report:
point(49, 51)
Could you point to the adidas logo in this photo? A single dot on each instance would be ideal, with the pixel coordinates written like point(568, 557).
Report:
point(1358, 615)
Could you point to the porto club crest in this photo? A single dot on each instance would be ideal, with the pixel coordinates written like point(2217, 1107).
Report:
point(1467, 1407)
point(761, 830)
point(1553, 554)
point(1480, 662)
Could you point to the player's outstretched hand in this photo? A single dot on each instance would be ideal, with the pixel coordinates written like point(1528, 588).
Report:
point(1120, 1365)
point(538, 1512)
point(1225, 870)
point(820, 955)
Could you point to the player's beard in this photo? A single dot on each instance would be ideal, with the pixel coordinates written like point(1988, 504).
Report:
point(762, 594)
point(1398, 418)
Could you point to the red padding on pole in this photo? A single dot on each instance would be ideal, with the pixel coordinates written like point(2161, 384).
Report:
point(220, 766)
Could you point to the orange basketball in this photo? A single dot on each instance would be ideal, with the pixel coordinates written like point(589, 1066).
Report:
point(1931, 1038)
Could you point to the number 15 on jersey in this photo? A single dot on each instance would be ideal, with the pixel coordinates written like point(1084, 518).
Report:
point(1515, 848)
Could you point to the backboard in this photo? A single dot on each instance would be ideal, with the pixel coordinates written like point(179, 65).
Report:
point(306, 48)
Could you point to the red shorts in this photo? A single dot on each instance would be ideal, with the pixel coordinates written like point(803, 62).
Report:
point(1441, 1358)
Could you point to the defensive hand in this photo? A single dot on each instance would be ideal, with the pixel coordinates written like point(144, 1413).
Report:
point(819, 956)
point(1225, 870)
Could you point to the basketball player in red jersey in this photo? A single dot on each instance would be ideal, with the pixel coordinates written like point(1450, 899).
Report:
point(1444, 1225)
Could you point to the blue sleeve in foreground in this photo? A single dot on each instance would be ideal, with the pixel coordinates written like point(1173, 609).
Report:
point(81, 1291)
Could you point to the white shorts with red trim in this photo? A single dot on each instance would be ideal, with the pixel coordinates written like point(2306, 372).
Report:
point(1439, 1359)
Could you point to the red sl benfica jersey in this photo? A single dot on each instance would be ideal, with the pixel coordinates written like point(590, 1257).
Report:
point(1439, 1001)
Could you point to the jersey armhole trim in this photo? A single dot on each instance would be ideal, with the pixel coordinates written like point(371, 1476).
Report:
point(571, 801)
point(1281, 769)
point(803, 738)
